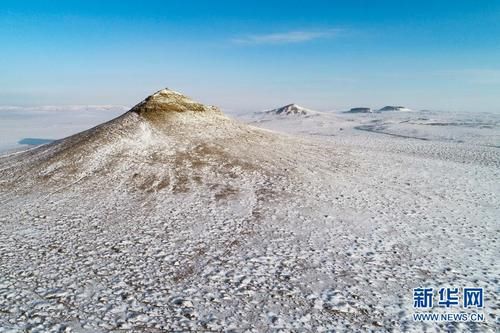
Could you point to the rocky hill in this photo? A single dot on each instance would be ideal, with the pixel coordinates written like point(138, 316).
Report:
point(291, 110)
point(393, 108)
point(165, 142)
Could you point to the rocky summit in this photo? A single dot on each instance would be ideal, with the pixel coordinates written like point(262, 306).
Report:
point(167, 100)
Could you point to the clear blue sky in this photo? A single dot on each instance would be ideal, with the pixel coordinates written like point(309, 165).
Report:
point(253, 55)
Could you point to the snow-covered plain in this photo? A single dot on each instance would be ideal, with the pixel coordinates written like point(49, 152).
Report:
point(176, 218)
point(47, 123)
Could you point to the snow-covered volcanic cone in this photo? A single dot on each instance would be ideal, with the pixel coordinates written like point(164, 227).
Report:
point(165, 142)
point(142, 221)
point(291, 110)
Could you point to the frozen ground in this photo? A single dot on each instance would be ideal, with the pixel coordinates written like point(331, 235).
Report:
point(177, 221)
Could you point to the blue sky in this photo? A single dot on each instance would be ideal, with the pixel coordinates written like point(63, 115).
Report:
point(253, 55)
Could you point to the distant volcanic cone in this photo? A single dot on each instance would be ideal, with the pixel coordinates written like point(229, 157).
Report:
point(291, 110)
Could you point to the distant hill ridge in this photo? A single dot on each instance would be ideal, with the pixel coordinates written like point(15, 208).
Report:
point(291, 109)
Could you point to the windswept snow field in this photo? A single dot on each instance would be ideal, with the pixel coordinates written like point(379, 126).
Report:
point(174, 217)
